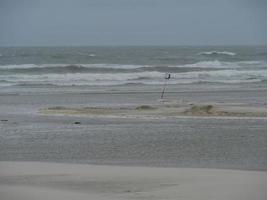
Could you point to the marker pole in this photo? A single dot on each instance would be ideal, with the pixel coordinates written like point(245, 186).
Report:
point(164, 87)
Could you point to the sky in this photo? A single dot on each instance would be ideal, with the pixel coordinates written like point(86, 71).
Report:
point(132, 22)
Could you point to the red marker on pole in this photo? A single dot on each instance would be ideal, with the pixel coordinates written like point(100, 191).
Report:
point(167, 77)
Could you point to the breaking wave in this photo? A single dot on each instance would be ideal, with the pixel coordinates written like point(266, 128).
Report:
point(148, 78)
point(116, 68)
point(115, 74)
point(214, 53)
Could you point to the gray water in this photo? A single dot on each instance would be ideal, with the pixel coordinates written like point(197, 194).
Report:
point(212, 143)
point(162, 55)
point(106, 66)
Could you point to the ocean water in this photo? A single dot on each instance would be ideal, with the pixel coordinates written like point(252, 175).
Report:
point(105, 66)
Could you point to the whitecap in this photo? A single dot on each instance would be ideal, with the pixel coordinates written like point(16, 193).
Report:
point(228, 53)
point(148, 78)
point(212, 64)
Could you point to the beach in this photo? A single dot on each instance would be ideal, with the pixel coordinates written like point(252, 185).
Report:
point(120, 149)
point(113, 128)
point(102, 131)
point(27, 180)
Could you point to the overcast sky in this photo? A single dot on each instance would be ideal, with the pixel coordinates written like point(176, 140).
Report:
point(132, 22)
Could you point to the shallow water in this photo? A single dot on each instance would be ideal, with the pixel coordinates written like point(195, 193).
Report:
point(236, 143)
point(212, 143)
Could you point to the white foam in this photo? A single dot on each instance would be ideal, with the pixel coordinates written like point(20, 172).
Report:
point(212, 64)
point(224, 72)
point(204, 64)
point(149, 78)
point(113, 66)
point(224, 76)
point(82, 78)
point(228, 53)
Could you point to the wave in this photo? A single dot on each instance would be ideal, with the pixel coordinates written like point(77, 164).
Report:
point(120, 68)
point(253, 62)
point(148, 78)
point(214, 53)
point(66, 68)
point(213, 65)
point(5, 83)
point(119, 74)
point(80, 78)
point(31, 66)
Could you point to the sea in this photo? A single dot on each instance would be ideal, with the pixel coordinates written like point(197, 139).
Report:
point(131, 65)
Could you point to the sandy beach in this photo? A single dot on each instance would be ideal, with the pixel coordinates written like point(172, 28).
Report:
point(200, 142)
point(33, 180)
point(133, 100)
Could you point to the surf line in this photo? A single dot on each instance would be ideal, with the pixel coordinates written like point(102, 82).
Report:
point(167, 77)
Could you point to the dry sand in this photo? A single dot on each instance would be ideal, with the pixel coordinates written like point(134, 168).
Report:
point(42, 181)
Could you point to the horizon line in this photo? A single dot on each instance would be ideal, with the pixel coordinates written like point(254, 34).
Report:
point(134, 45)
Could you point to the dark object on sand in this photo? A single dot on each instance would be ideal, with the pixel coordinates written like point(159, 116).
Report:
point(144, 107)
point(77, 122)
point(200, 109)
point(4, 120)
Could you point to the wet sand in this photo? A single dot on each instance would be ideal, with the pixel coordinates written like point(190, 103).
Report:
point(139, 147)
point(164, 109)
point(133, 126)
